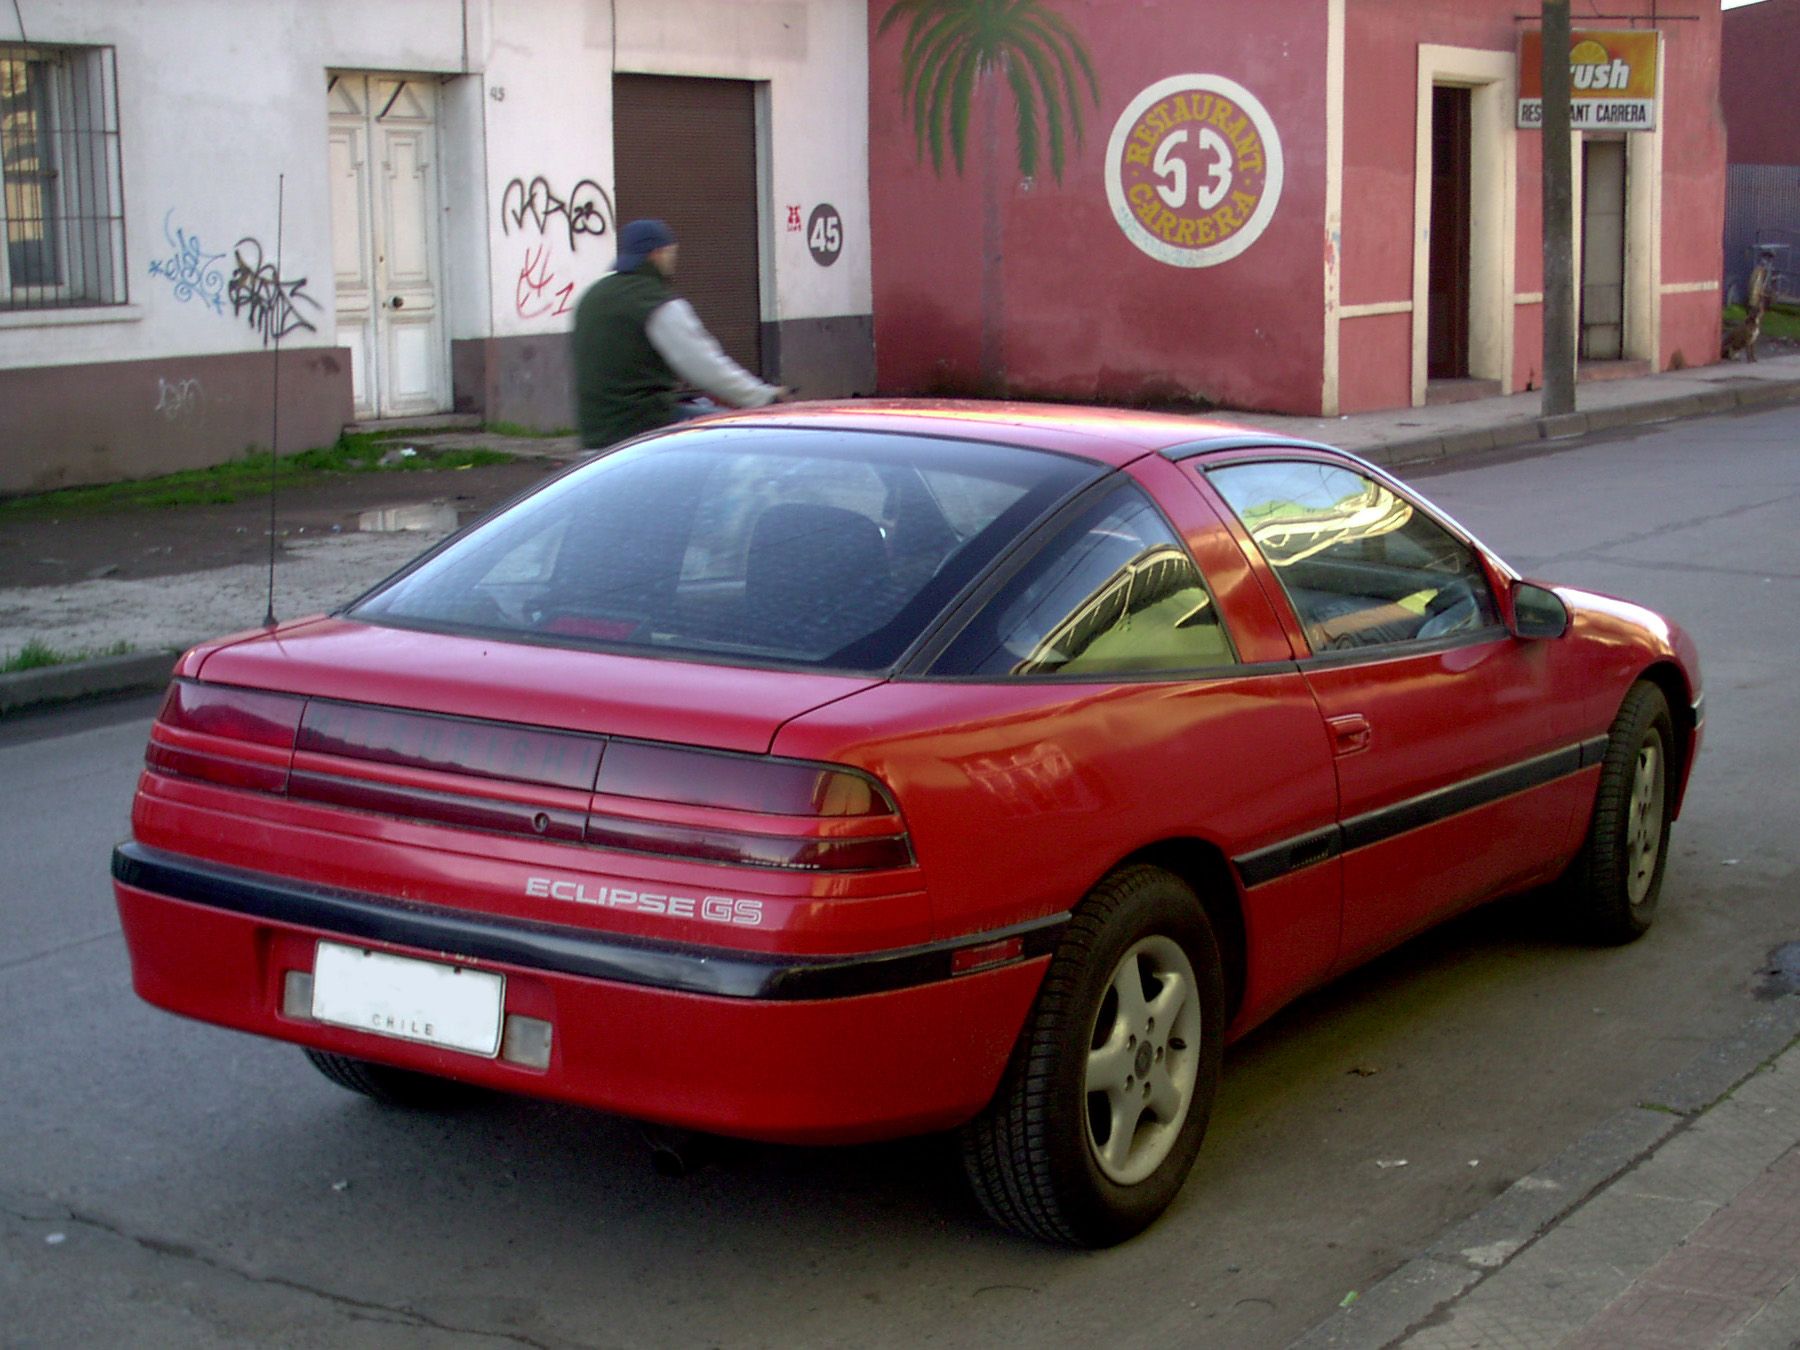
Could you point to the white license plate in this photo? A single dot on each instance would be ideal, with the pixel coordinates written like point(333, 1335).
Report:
point(451, 1006)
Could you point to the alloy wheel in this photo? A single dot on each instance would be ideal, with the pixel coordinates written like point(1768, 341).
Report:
point(1645, 820)
point(1143, 1059)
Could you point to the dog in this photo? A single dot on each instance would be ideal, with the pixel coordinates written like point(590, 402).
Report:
point(1741, 337)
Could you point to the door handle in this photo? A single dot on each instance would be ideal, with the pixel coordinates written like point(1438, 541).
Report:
point(398, 302)
point(1351, 734)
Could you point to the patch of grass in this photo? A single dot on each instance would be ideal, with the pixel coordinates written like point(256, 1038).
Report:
point(35, 655)
point(246, 477)
point(520, 431)
point(1780, 321)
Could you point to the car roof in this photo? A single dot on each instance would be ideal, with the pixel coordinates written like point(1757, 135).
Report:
point(1112, 436)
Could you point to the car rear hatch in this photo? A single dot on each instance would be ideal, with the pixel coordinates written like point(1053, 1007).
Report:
point(620, 793)
point(727, 708)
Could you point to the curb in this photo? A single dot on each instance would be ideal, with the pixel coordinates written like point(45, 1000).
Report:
point(21, 689)
point(1472, 1249)
point(1432, 449)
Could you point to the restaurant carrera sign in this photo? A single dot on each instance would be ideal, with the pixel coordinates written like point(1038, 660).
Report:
point(1193, 170)
point(1612, 80)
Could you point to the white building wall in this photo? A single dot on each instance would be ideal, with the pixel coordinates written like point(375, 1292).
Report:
point(815, 56)
point(549, 114)
point(217, 98)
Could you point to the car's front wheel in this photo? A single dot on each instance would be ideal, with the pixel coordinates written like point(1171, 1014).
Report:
point(1106, 1099)
point(1613, 888)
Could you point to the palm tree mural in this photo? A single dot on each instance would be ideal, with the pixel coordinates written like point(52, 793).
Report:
point(951, 44)
point(949, 49)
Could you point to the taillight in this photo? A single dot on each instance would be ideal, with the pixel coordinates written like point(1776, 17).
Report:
point(704, 805)
point(774, 787)
point(744, 809)
point(238, 737)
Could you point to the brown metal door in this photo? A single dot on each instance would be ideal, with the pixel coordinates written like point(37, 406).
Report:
point(684, 151)
point(1447, 314)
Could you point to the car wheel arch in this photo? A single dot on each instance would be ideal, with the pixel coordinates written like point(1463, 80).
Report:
point(1672, 681)
point(1203, 866)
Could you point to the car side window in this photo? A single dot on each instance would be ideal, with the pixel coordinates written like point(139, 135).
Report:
point(1362, 565)
point(1115, 592)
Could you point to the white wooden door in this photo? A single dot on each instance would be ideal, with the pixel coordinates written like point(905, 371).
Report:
point(384, 243)
point(1603, 249)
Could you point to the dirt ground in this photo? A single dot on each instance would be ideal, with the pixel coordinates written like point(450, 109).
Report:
point(142, 542)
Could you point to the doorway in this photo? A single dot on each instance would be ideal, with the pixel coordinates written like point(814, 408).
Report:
point(1447, 293)
point(384, 243)
point(1602, 249)
point(685, 151)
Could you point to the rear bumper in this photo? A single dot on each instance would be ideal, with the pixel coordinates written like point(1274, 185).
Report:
point(793, 1050)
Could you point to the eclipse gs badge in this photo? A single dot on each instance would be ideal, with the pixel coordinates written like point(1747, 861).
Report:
point(1193, 170)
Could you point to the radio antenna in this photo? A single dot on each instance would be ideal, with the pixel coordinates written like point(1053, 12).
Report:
point(275, 409)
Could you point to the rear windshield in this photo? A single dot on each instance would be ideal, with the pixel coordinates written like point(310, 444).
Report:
point(745, 545)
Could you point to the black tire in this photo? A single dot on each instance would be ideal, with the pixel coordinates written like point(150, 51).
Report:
point(1036, 1157)
point(1613, 888)
point(391, 1086)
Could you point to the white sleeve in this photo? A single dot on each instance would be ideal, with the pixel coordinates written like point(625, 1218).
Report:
point(694, 354)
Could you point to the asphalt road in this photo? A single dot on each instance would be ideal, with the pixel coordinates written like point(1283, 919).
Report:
point(166, 1183)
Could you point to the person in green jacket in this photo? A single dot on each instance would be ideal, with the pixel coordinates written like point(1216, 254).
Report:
point(637, 342)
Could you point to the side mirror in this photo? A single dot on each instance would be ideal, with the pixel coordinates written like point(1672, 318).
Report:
point(1537, 613)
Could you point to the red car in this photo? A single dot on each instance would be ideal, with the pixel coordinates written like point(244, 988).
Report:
point(826, 774)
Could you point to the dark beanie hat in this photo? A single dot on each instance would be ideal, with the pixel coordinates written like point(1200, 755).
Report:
point(638, 240)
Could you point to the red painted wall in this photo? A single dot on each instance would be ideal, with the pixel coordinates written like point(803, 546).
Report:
point(1380, 110)
point(1761, 44)
point(1375, 362)
point(1068, 307)
point(1381, 65)
point(1072, 308)
point(1693, 196)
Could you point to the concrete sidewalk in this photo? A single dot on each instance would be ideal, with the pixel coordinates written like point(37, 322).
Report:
point(160, 617)
point(1402, 436)
point(1674, 1224)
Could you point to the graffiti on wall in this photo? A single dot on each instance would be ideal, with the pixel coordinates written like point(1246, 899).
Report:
point(192, 272)
point(585, 211)
point(545, 282)
point(539, 291)
point(178, 398)
point(259, 294)
point(250, 286)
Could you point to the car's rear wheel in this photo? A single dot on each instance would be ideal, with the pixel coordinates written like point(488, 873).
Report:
point(1617, 879)
point(1101, 1112)
point(391, 1086)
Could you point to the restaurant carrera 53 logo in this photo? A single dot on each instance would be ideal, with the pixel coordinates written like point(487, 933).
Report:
point(1193, 170)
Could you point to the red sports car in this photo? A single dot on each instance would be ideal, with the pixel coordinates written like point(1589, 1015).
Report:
point(827, 773)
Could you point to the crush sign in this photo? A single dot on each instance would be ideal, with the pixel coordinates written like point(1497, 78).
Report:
point(1193, 170)
point(1612, 80)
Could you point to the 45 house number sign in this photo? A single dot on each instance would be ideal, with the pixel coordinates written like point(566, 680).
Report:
point(1193, 170)
point(825, 234)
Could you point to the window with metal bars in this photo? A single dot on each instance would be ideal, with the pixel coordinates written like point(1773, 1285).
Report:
point(62, 197)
